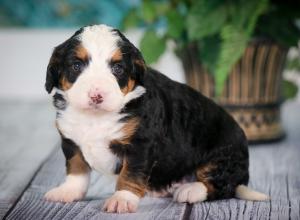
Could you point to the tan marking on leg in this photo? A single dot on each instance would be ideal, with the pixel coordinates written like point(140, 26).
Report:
point(125, 182)
point(77, 164)
point(203, 175)
point(76, 183)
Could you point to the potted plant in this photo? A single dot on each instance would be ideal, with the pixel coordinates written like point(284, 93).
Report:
point(232, 51)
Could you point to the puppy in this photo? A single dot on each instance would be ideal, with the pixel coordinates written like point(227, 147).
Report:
point(114, 111)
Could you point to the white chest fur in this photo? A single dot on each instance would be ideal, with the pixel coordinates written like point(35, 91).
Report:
point(92, 133)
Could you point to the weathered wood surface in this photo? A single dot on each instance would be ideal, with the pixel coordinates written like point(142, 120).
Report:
point(32, 205)
point(274, 169)
point(27, 136)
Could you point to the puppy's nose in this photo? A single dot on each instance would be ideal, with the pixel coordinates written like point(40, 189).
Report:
point(96, 97)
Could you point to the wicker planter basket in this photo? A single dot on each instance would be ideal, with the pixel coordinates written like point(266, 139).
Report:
point(252, 91)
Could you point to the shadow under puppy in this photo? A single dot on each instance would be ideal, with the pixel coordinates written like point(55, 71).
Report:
point(114, 111)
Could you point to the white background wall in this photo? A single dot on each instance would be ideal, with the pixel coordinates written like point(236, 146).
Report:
point(25, 54)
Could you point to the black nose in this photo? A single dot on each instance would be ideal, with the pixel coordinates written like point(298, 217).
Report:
point(97, 99)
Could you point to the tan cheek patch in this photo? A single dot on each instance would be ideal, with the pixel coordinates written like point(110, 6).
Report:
point(203, 175)
point(117, 56)
point(135, 185)
point(128, 130)
point(129, 87)
point(65, 84)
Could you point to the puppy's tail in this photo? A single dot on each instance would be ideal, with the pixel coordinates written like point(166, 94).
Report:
point(244, 192)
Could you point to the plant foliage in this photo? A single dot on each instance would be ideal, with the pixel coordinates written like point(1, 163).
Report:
point(220, 29)
point(289, 89)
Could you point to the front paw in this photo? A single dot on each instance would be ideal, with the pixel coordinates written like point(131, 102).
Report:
point(64, 194)
point(122, 202)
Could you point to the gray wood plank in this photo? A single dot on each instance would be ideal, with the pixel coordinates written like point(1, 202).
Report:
point(32, 205)
point(27, 136)
point(274, 170)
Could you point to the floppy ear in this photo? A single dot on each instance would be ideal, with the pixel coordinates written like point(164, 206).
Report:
point(138, 62)
point(54, 70)
point(139, 66)
point(52, 76)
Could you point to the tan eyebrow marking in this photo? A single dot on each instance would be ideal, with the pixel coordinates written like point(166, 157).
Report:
point(117, 56)
point(82, 53)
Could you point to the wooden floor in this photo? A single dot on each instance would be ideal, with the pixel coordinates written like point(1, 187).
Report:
point(27, 137)
point(274, 169)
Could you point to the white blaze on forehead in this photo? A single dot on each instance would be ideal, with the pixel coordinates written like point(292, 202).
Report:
point(100, 41)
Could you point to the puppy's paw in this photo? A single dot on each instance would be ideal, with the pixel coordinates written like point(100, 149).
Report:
point(190, 192)
point(122, 202)
point(74, 188)
point(64, 193)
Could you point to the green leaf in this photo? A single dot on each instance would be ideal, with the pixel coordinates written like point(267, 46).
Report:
point(131, 19)
point(209, 51)
point(148, 11)
point(152, 46)
point(235, 37)
point(280, 23)
point(290, 89)
point(244, 14)
point(232, 48)
point(293, 64)
point(175, 24)
point(279, 28)
point(258, 9)
point(206, 18)
point(162, 7)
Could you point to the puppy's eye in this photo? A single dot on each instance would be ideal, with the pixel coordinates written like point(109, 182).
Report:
point(117, 69)
point(77, 66)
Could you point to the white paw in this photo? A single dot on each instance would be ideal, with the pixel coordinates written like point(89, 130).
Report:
point(64, 194)
point(122, 202)
point(190, 192)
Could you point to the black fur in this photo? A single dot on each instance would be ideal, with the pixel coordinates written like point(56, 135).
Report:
point(59, 101)
point(130, 55)
point(181, 130)
point(63, 57)
point(69, 148)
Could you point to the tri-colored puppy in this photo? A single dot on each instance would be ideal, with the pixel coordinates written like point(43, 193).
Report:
point(114, 111)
